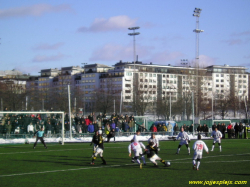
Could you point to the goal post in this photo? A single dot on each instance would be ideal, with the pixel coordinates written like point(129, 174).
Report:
point(4, 113)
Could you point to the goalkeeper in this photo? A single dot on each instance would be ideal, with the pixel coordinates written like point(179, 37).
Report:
point(184, 140)
point(39, 136)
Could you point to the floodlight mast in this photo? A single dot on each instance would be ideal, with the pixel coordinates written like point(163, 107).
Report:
point(134, 34)
point(196, 14)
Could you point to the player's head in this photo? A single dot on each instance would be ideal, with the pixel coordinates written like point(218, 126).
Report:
point(96, 132)
point(199, 137)
point(182, 129)
point(215, 128)
point(138, 132)
point(152, 135)
point(151, 142)
point(132, 140)
point(41, 128)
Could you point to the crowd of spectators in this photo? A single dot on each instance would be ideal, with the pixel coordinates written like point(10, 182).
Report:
point(52, 123)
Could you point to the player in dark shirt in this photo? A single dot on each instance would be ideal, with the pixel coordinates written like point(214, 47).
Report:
point(152, 156)
point(99, 148)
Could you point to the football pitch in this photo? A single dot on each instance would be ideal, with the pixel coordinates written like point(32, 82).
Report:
point(69, 165)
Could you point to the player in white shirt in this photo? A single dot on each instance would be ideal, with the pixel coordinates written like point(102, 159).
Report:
point(184, 140)
point(136, 147)
point(155, 141)
point(135, 138)
point(216, 134)
point(198, 147)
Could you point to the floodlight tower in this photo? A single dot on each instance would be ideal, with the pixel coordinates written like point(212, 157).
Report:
point(134, 34)
point(196, 14)
point(134, 82)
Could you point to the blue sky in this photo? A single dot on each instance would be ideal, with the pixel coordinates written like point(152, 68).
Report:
point(46, 34)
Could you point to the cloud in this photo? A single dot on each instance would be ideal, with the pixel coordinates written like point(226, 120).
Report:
point(111, 52)
point(205, 61)
point(111, 24)
point(44, 58)
point(48, 46)
point(34, 10)
point(115, 52)
point(245, 33)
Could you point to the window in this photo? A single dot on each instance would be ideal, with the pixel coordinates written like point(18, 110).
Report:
point(127, 97)
point(128, 85)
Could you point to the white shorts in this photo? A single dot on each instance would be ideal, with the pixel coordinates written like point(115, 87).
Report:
point(154, 158)
point(137, 152)
point(217, 140)
point(182, 142)
point(197, 155)
point(98, 151)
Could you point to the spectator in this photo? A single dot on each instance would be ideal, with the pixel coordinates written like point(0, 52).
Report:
point(113, 125)
point(176, 129)
point(236, 130)
point(223, 130)
point(170, 129)
point(199, 129)
point(205, 129)
point(229, 130)
point(111, 135)
point(241, 128)
point(154, 129)
point(91, 128)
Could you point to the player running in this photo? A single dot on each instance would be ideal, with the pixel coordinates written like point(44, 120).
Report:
point(198, 147)
point(184, 140)
point(137, 148)
point(151, 151)
point(98, 149)
point(216, 134)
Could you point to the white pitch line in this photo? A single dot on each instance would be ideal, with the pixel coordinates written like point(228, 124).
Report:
point(55, 150)
point(54, 171)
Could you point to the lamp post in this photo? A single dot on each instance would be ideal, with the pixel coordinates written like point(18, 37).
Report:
point(134, 34)
point(84, 89)
point(196, 14)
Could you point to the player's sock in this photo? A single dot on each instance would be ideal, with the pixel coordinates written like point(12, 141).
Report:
point(194, 162)
point(93, 159)
point(138, 161)
point(163, 161)
point(198, 164)
point(103, 161)
point(189, 150)
point(220, 148)
point(212, 148)
point(143, 159)
point(178, 150)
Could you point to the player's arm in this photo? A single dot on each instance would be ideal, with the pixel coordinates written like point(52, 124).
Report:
point(142, 145)
point(129, 150)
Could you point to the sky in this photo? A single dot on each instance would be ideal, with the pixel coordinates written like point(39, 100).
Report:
point(45, 34)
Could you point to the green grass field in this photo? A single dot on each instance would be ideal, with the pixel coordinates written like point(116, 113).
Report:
point(68, 165)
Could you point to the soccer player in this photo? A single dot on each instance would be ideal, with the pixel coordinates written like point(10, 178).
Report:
point(99, 148)
point(39, 136)
point(155, 140)
point(216, 134)
point(151, 154)
point(137, 148)
point(184, 140)
point(95, 142)
point(198, 147)
point(135, 138)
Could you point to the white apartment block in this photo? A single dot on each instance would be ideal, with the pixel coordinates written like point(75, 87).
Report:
point(152, 81)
